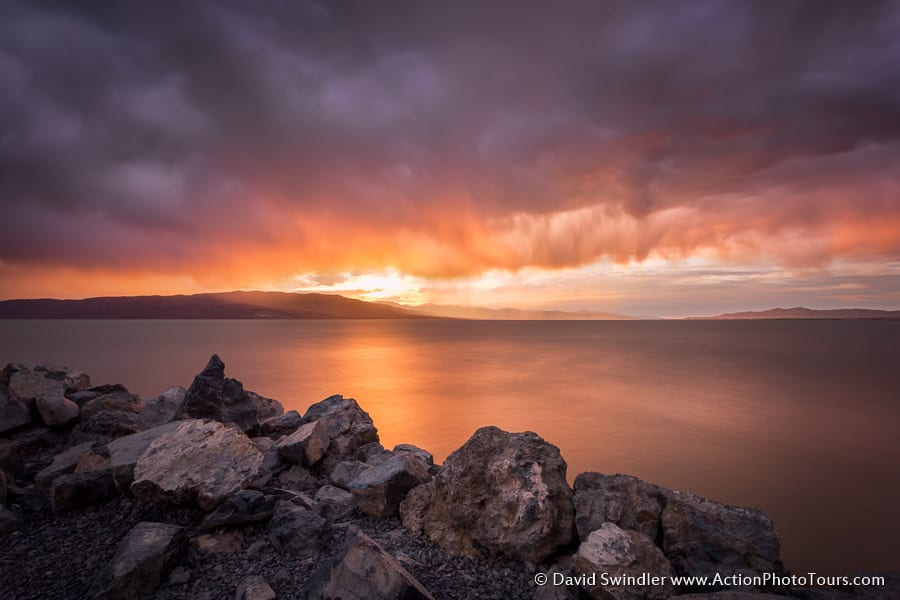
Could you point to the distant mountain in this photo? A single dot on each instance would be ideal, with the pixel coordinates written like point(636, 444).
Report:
point(799, 312)
point(226, 305)
point(514, 314)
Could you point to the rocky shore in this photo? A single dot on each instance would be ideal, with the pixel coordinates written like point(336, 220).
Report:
point(215, 492)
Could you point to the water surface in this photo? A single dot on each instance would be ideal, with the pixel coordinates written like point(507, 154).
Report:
point(799, 418)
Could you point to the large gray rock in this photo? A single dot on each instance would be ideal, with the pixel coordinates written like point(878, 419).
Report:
point(364, 571)
point(281, 425)
point(332, 502)
point(72, 379)
point(298, 530)
point(143, 559)
point(111, 424)
point(620, 553)
point(214, 396)
point(703, 537)
point(201, 461)
point(78, 490)
point(163, 408)
point(48, 395)
point(346, 471)
point(505, 492)
point(125, 451)
point(246, 507)
point(624, 500)
point(115, 401)
point(63, 463)
point(306, 445)
point(14, 413)
point(348, 427)
point(380, 490)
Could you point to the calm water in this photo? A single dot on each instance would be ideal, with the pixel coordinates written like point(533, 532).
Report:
point(800, 418)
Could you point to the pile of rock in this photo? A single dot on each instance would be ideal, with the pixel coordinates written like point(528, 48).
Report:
point(302, 483)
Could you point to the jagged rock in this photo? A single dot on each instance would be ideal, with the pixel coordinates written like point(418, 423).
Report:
point(348, 427)
point(617, 552)
point(306, 445)
point(111, 424)
point(243, 508)
point(424, 456)
point(364, 571)
point(271, 461)
point(214, 396)
point(298, 530)
point(77, 490)
point(380, 490)
point(163, 408)
point(14, 413)
point(254, 588)
point(94, 460)
point(48, 395)
point(125, 451)
point(624, 500)
point(63, 463)
point(281, 425)
point(17, 455)
point(504, 492)
point(333, 502)
point(222, 542)
point(72, 379)
point(373, 454)
point(9, 521)
point(201, 461)
point(143, 558)
point(346, 471)
point(298, 478)
point(702, 537)
point(115, 401)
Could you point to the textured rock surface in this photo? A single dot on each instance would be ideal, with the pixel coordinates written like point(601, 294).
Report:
point(348, 427)
point(281, 425)
point(200, 461)
point(617, 552)
point(243, 508)
point(624, 500)
point(18, 454)
point(125, 451)
point(112, 423)
point(505, 492)
point(163, 408)
point(143, 558)
point(78, 490)
point(364, 571)
point(63, 463)
point(332, 502)
point(298, 530)
point(214, 396)
point(380, 490)
point(702, 537)
point(344, 472)
point(254, 588)
point(115, 401)
point(306, 445)
point(72, 379)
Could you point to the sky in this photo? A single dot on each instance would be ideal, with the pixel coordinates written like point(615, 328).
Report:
point(645, 158)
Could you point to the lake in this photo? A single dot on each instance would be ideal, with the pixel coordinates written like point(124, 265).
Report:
point(799, 418)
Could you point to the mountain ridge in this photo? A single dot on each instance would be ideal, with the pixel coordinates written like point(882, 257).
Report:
point(801, 312)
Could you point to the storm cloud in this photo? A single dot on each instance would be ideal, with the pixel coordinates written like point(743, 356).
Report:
point(235, 142)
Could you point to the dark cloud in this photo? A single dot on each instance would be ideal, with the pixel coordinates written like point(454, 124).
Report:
point(148, 135)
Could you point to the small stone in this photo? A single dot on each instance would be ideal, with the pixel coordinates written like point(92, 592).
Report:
point(254, 588)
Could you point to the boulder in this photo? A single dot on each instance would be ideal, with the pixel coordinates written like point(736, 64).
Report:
point(111, 424)
point(364, 571)
point(703, 537)
point(143, 559)
point(18, 455)
point(63, 463)
point(271, 464)
point(424, 456)
point(114, 401)
point(214, 396)
point(94, 460)
point(298, 530)
point(306, 446)
point(125, 451)
point(243, 508)
point(200, 461)
point(72, 379)
point(14, 413)
point(254, 588)
point(281, 425)
point(348, 427)
point(346, 471)
point(624, 500)
point(380, 490)
point(77, 490)
point(332, 502)
point(9, 370)
point(163, 408)
point(620, 553)
point(373, 454)
point(48, 395)
point(298, 478)
point(504, 492)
